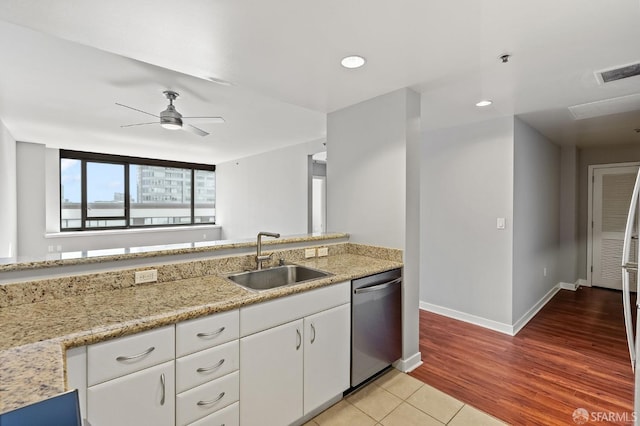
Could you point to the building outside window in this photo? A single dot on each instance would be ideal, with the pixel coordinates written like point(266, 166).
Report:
point(100, 191)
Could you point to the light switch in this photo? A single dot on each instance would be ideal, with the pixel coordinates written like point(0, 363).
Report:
point(501, 223)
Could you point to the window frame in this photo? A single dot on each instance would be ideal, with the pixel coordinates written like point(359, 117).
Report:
point(126, 161)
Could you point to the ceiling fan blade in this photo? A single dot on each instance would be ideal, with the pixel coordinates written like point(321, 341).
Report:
point(204, 120)
point(139, 110)
point(193, 129)
point(140, 124)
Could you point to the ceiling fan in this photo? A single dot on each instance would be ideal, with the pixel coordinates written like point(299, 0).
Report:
point(171, 119)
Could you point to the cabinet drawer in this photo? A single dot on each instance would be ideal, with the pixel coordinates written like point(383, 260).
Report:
point(202, 333)
point(228, 416)
point(262, 316)
point(206, 399)
point(201, 367)
point(115, 358)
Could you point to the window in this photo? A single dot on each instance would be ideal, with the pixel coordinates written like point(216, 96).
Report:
point(100, 191)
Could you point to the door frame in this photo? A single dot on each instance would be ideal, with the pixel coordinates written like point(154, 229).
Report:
point(592, 169)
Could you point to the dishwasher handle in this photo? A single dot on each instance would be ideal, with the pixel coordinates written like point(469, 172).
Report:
point(377, 287)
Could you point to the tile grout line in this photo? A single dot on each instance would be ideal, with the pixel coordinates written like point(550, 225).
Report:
point(457, 412)
point(349, 402)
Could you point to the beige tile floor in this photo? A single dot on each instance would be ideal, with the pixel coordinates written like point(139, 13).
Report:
point(397, 399)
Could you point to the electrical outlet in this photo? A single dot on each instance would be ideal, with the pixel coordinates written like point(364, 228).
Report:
point(148, 276)
point(544, 271)
point(310, 252)
point(323, 251)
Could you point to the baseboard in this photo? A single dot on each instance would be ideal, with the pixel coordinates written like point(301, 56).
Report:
point(463, 316)
point(583, 283)
point(511, 330)
point(568, 286)
point(528, 316)
point(407, 365)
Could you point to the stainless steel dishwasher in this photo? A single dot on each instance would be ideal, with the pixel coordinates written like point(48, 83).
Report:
point(376, 324)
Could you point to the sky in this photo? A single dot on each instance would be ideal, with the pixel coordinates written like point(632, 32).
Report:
point(103, 180)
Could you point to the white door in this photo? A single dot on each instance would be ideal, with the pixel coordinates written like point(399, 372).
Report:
point(327, 358)
point(146, 397)
point(612, 189)
point(271, 376)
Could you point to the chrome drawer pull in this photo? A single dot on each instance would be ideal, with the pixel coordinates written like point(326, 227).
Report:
point(313, 339)
point(213, 333)
point(131, 357)
point(299, 342)
point(213, 401)
point(207, 369)
point(163, 388)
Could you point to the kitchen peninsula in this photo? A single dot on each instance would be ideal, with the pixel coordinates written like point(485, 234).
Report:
point(43, 318)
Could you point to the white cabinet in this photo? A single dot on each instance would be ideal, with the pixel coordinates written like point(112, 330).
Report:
point(206, 332)
point(206, 365)
point(228, 416)
point(124, 355)
point(327, 361)
point(208, 357)
point(271, 376)
point(142, 398)
point(206, 399)
point(132, 380)
point(291, 369)
point(267, 363)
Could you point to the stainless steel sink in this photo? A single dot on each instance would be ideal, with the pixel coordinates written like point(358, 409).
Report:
point(279, 276)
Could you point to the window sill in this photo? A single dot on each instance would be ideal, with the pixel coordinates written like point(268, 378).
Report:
point(129, 231)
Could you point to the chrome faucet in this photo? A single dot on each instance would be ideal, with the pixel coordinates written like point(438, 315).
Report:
point(259, 256)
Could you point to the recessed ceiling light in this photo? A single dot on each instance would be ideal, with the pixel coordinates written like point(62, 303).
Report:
point(354, 61)
point(484, 103)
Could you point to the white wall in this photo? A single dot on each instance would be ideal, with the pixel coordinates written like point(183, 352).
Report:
point(366, 170)
point(38, 213)
point(536, 217)
point(31, 164)
point(8, 211)
point(373, 188)
point(568, 261)
point(265, 192)
point(466, 183)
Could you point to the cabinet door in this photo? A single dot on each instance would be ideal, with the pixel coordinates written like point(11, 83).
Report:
point(327, 344)
point(146, 397)
point(271, 376)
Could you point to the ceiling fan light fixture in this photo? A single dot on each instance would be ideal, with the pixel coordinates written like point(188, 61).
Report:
point(353, 61)
point(171, 123)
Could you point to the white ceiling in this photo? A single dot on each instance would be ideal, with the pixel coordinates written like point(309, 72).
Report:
point(59, 83)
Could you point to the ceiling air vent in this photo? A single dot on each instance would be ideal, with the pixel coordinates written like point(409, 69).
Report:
point(607, 76)
point(606, 107)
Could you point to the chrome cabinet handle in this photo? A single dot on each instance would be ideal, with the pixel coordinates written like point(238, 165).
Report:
point(140, 355)
point(163, 389)
point(313, 329)
point(299, 339)
point(630, 266)
point(207, 369)
point(377, 287)
point(213, 401)
point(213, 333)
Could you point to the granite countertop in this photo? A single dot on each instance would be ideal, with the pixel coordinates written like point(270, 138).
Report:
point(96, 256)
point(35, 336)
